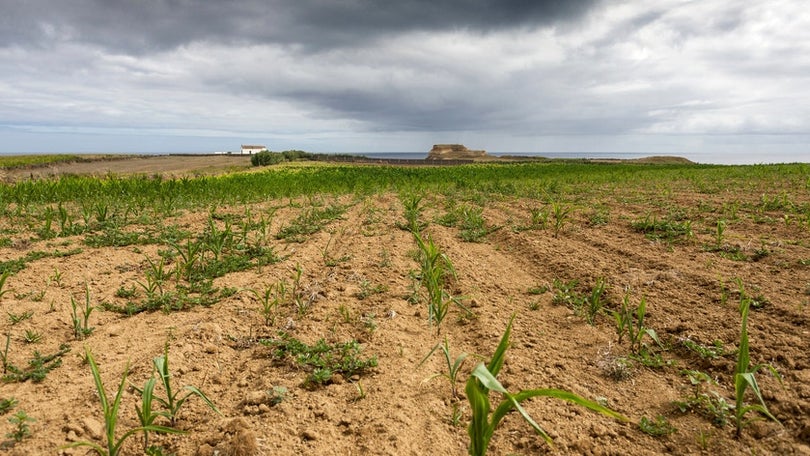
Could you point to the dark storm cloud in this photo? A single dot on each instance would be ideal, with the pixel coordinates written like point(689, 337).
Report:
point(147, 25)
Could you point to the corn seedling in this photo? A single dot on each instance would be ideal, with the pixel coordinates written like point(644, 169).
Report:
point(3, 278)
point(561, 214)
point(270, 298)
point(113, 446)
point(21, 430)
point(718, 234)
point(173, 401)
point(594, 301)
point(413, 210)
point(631, 322)
point(147, 416)
point(453, 366)
point(436, 267)
point(7, 404)
point(4, 354)
point(485, 421)
point(81, 326)
point(539, 218)
point(744, 373)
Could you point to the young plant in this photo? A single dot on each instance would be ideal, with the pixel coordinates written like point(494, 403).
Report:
point(453, 366)
point(31, 337)
point(81, 326)
point(173, 401)
point(485, 421)
point(744, 373)
point(4, 355)
point(561, 214)
point(147, 416)
point(658, 427)
point(3, 279)
point(270, 298)
point(413, 209)
point(21, 430)
point(110, 411)
point(594, 301)
point(17, 318)
point(7, 404)
point(436, 267)
point(631, 322)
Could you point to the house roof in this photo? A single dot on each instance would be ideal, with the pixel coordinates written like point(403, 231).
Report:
point(248, 146)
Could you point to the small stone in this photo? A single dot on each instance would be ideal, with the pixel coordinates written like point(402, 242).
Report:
point(309, 434)
point(71, 436)
point(94, 428)
point(255, 397)
point(210, 348)
point(205, 450)
point(264, 408)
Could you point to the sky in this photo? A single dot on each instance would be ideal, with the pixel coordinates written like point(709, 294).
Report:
point(155, 76)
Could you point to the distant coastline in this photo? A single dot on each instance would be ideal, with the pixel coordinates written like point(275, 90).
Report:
point(749, 158)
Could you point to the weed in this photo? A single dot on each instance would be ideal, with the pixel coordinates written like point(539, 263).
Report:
point(565, 294)
point(309, 222)
point(744, 372)
point(485, 421)
point(110, 413)
point(38, 367)
point(706, 402)
point(656, 428)
point(7, 404)
point(31, 336)
point(277, 395)
point(323, 359)
point(713, 351)
point(126, 293)
point(173, 402)
point(667, 229)
point(21, 430)
point(453, 366)
point(17, 318)
point(537, 290)
point(367, 289)
point(617, 368)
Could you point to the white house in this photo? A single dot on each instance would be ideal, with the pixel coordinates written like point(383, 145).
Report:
point(251, 149)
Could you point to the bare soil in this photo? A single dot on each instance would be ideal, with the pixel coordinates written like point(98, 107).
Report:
point(396, 408)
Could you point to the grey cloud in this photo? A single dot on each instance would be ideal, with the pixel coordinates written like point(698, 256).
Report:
point(148, 25)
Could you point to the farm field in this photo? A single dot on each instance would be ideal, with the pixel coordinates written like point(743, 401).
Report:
point(298, 300)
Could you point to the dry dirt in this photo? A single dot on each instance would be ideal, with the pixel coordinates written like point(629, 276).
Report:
point(399, 411)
